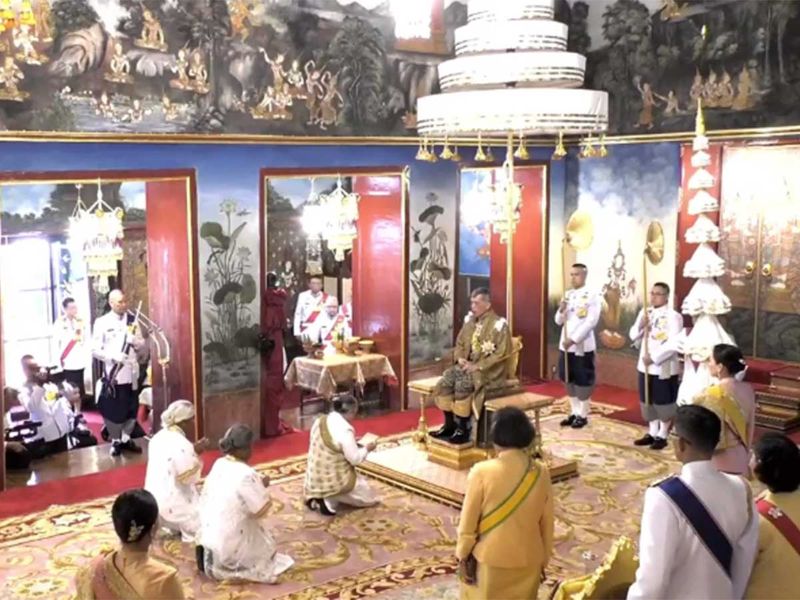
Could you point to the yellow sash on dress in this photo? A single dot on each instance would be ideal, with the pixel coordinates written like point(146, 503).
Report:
point(507, 507)
point(729, 411)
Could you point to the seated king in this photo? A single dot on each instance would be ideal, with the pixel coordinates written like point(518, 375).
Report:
point(482, 348)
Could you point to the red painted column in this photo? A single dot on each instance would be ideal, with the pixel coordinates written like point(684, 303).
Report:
point(530, 282)
point(173, 292)
point(379, 271)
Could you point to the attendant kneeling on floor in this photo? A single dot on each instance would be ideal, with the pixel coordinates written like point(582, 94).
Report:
point(333, 455)
point(234, 535)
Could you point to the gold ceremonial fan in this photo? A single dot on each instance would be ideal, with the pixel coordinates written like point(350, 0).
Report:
point(655, 243)
point(579, 232)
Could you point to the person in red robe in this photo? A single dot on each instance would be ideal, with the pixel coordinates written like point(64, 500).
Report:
point(272, 387)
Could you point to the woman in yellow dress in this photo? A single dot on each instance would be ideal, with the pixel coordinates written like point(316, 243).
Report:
point(734, 402)
point(776, 463)
point(129, 573)
point(505, 535)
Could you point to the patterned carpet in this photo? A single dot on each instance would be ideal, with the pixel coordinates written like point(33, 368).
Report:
point(401, 549)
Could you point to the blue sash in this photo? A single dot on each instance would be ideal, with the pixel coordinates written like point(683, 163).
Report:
point(701, 521)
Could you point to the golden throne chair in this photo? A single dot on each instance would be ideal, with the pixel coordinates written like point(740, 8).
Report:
point(610, 581)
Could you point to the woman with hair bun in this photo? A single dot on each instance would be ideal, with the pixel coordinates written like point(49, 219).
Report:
point(130, 572)
point(776, 464)
point(234, 534)
point(734, 402)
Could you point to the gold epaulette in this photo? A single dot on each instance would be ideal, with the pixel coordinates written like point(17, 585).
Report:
point(658, 482)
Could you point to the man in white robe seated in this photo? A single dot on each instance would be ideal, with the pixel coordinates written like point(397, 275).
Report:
point(331, 325)
point(173, 471)
point(43, 402)
point(333, 455)
point(234, 534)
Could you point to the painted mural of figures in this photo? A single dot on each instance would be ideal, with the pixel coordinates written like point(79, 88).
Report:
point(43, 27)
point(182, 69)
point(240, 17)
point(331, 104)
point(274, 105)
point(744, 99)
point(24, 38)
point(278, 72)
point(104, 107)
point(10, 76)
point(673, 107)
point(725, 93)
point(314, 89)
point(135, 113)
point(710, 91)
point(171, 111)
point(294, 77)
point(198, 73)
point(648, 103)
point(152, 35)
point(119, 69)
point(696, 91)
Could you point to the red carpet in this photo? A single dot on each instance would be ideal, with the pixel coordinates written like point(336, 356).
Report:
point(25, 500)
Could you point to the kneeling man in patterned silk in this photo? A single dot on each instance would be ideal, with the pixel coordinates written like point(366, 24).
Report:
point(482, 348)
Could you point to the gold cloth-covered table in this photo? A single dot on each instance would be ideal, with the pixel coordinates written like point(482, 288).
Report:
point(324, 375)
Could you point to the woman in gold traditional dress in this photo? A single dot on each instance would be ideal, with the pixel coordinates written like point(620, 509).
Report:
point(776, 463)
point(129, 573)
point(505, 534)
point(733, 401)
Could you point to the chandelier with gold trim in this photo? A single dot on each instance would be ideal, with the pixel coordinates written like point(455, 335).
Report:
point(98, 232)
point(334, 218)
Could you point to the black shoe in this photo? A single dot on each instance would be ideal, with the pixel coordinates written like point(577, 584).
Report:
point(658, 444)
point(199, 557)
point(568, 421)
point(116, 449)
point(580, 423)
point(130, 446)
point(645, 440)
point(446, 430)
point(461, 436)
point(318, 505)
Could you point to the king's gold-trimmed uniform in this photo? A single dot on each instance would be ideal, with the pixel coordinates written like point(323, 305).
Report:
point(486, 342)
point(507, 525)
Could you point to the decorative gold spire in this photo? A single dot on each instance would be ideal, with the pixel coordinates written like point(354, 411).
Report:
point(700, 120)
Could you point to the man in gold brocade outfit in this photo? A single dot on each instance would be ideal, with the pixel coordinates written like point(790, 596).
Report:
point(482, 348)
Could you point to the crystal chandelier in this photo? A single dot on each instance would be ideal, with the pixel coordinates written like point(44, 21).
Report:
point(333, 217)
point(512, 75)
point(97, 231)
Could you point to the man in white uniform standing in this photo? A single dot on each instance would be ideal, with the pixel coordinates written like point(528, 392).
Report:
point(70, 333)
point(115, 342)
point(578, 315)
point(309, 306)
point(699, 534)
point(659, 359)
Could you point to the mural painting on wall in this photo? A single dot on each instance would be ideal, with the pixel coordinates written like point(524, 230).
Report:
point(230, 310)
point(270, 67)
point(650, 54)
point(623, 193)
point(431, 277)
point(475, 233)
point(760, 219)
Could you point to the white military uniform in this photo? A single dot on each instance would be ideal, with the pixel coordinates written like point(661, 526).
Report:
point(326, 328)
point(109, 338)
point(173, 471)
point(66, 330)
point(674, 562)
point(233, 528)
point(344, 436)
point(581, 316)
point(51, 410)
point(307, 304)
point(662, 346)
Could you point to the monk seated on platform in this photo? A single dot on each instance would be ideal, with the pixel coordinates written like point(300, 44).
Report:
point(482, 347)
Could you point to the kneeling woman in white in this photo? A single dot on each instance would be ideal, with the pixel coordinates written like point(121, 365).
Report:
point(333, 455)
point(234, 534)
point(173, 471)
